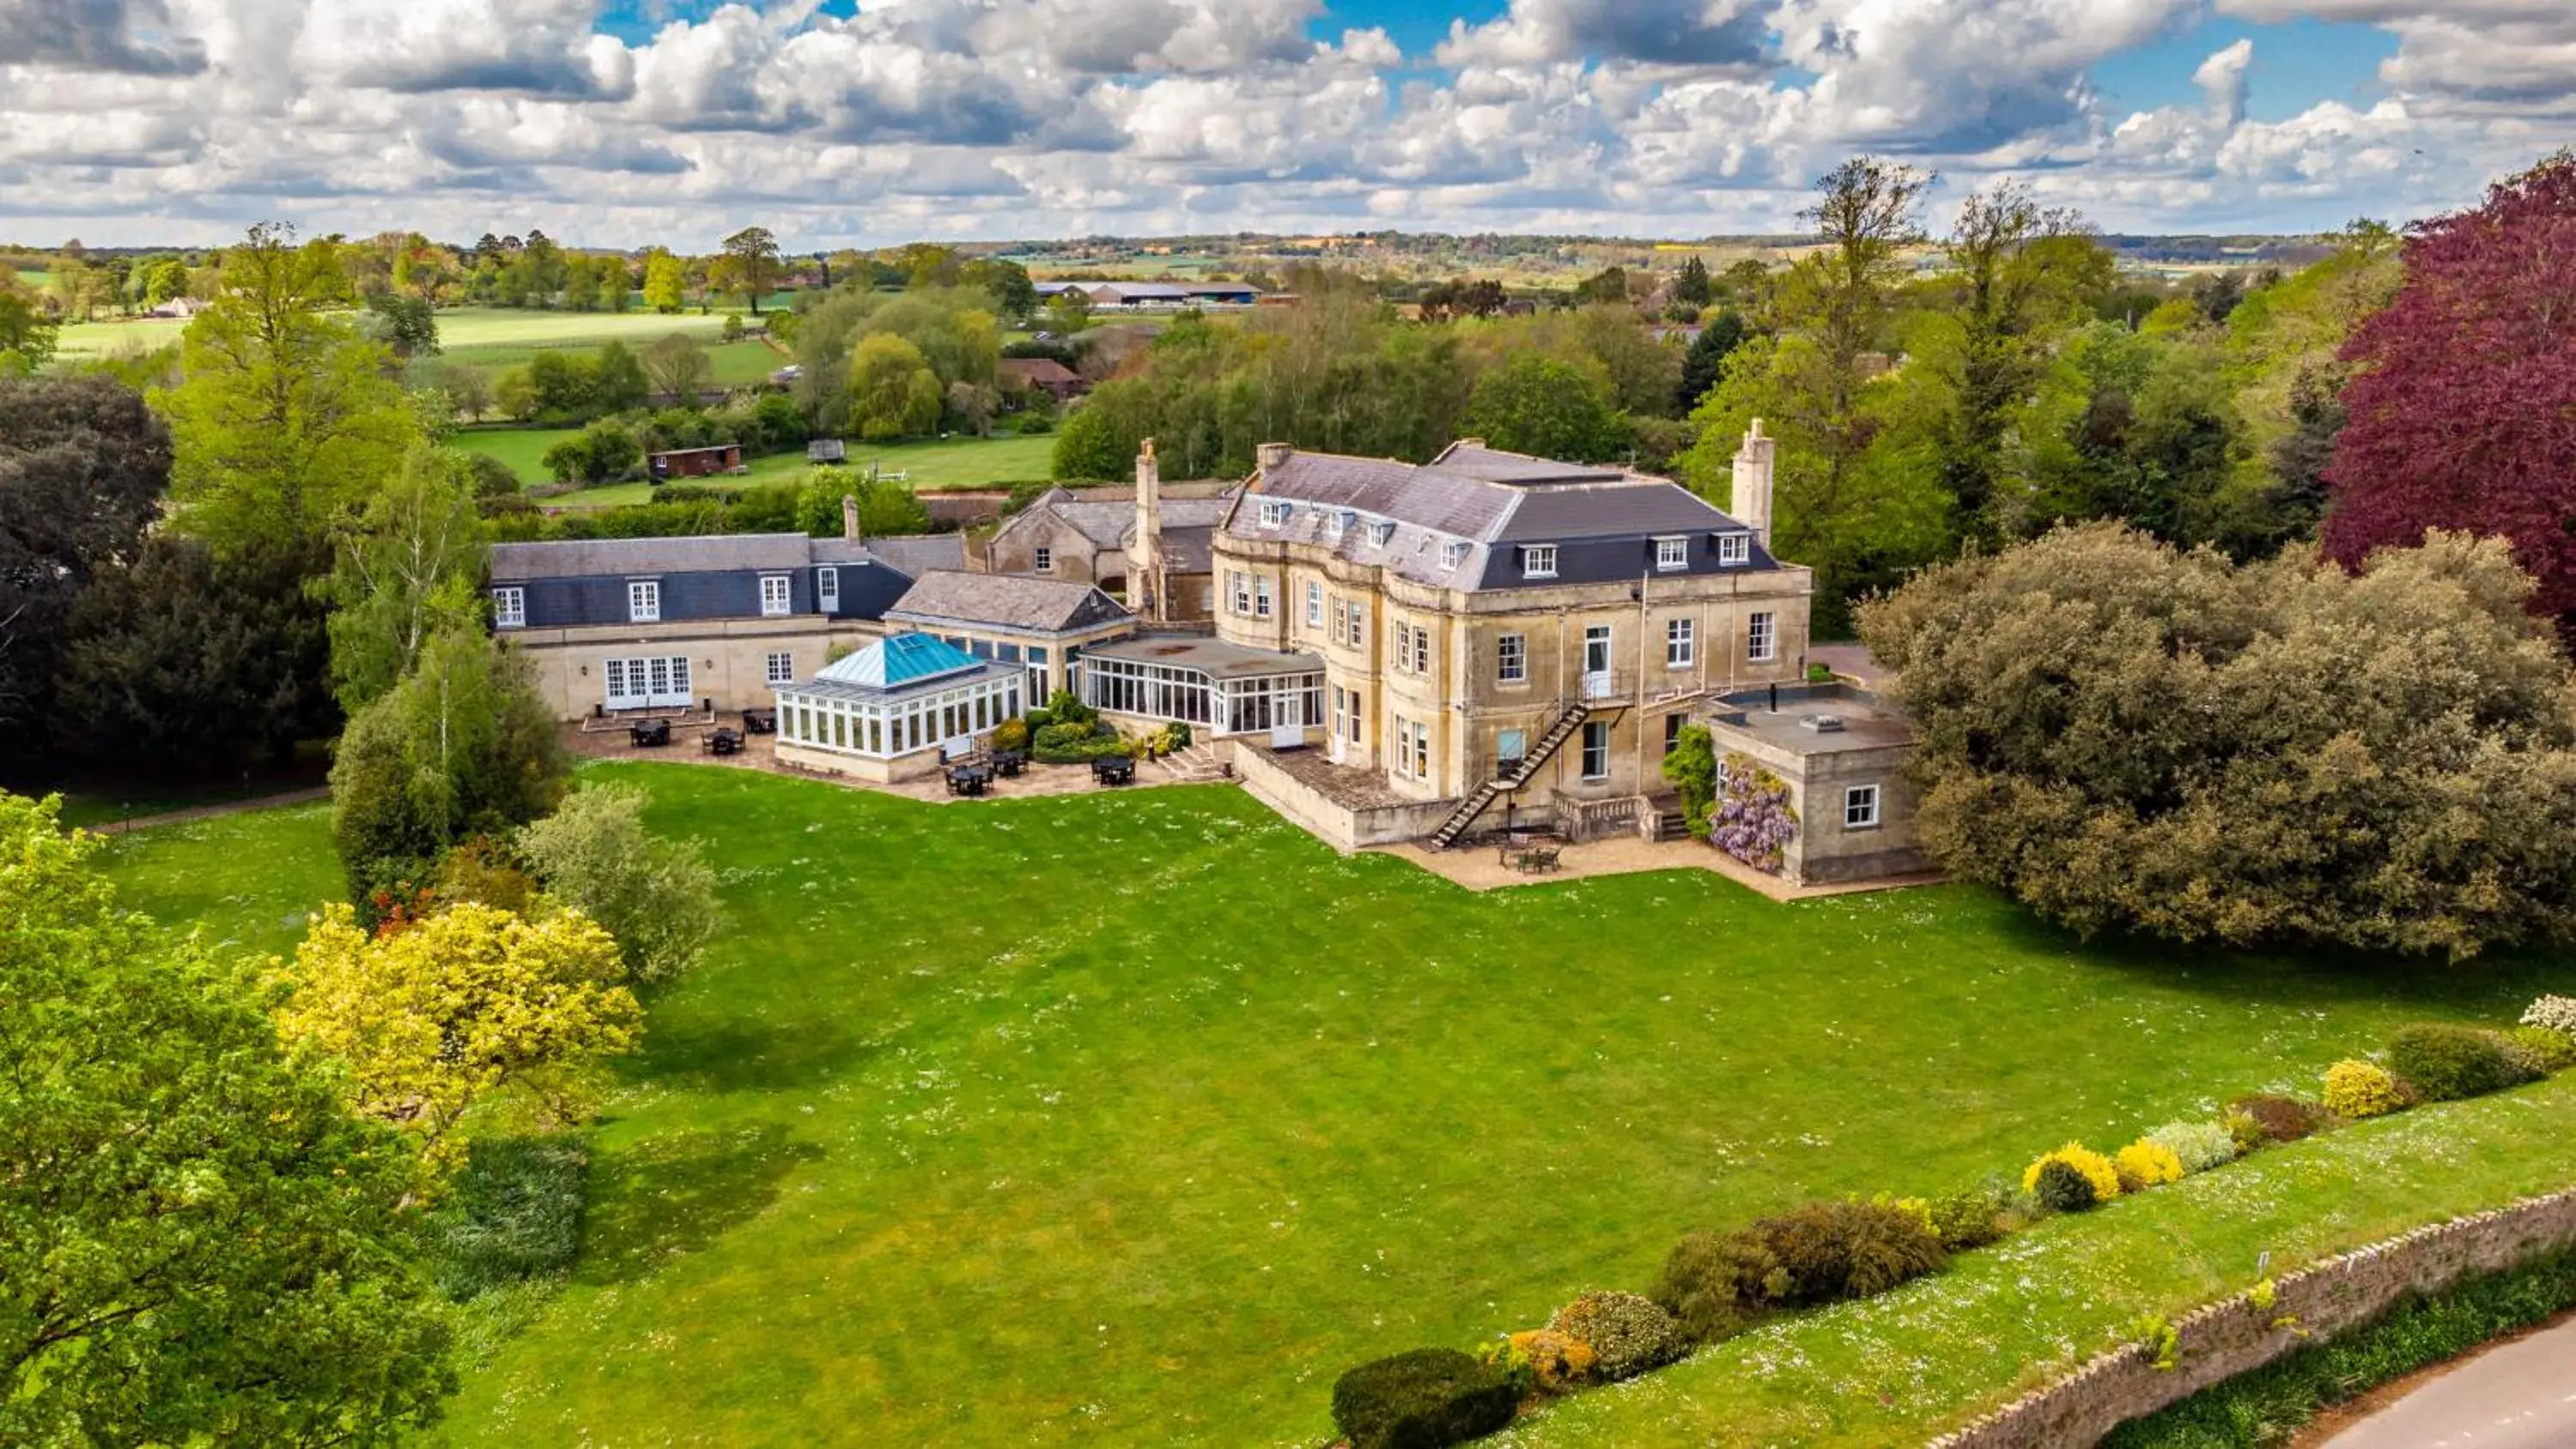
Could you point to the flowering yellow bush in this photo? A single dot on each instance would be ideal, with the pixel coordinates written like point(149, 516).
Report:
point(2359, 1089)
point(1563, 1361)
point(2096, 1168)
point(2143, 1164)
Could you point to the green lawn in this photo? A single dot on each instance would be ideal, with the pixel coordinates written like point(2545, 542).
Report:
point(477, 336)
point(1135, 1118)
point(931, 465)
point(248, 880)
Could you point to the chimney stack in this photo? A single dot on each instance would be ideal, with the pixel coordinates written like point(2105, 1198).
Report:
point(1145, 555)
point(1271, 455)
point(1754, 463)
point(850, 517)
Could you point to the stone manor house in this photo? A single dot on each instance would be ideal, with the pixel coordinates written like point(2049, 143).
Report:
point(1382, 651)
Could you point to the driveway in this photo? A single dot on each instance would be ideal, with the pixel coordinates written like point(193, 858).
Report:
point(2521, 1395)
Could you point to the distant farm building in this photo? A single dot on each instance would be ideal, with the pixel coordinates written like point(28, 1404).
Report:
point(695, 462)
point(1042, 374)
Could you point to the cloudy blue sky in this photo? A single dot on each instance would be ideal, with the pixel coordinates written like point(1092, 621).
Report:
point(859, 122)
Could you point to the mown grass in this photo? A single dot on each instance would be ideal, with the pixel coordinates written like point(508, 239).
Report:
point(931, 465)
point(247, 880)
point(1136, 1118)
point(476, 335)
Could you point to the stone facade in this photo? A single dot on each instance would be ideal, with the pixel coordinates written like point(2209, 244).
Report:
point(1856, 806)
point(1444, 662)
point(729, 659)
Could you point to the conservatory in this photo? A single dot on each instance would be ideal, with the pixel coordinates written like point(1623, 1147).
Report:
point(1225, 689)
point(895, 709)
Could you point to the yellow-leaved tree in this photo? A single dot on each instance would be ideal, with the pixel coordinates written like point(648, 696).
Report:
point(438, 1015)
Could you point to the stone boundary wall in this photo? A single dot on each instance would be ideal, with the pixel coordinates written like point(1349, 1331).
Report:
point(1342, 827)
point(2231, 1336)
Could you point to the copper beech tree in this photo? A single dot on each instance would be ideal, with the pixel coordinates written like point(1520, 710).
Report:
point(2463, 406)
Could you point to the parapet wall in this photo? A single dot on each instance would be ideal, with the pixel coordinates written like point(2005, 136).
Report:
point(2230, 1337)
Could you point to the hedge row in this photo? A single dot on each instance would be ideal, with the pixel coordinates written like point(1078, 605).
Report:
point(1717, 1284)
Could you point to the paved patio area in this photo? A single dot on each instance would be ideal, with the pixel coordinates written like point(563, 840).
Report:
point(1485, 868)
point(757, 754)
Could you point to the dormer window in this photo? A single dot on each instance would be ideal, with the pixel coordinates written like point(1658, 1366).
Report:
point(1454, 555)
point(510, 607)
point(1672, 553)
point(1538, 561)
point(1380, 533)
point(1274, 512)
point(1734, 549)
point(643, 601)
point(1342, 521)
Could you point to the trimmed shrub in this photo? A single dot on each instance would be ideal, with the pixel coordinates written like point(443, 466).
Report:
point(1424, 1399)
point(513, 1213)
point(1713, 1283)
point(1561, 1362)
point(2558, 1013)
point(2554, 1050)
point(2359, 1089)
point(2283, 1119)
point(1011, 734)
point(2449, 1062)
point(1507, 1359)
point(2198, 1146)
point(1629, 1334)
point(2096, 1168)
point(1038, 719)
point(2062, 1187)
point(1831, 1250)
point(2246, 1132)
point(2143, 1164)
point(1964, 1220)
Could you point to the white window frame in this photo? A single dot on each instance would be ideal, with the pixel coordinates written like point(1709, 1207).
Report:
point(1381, 533)
point(1589, 726)
point(827, 590)
point(779, 668)
point(643, 601)
point(1538, 561)
point(1511, 659)
point(1860, 807)
point(776, 594)
point(1314, 604)
point(1341, 522)
point(1421, 650)
point(1403, 645)
point(1262, 604)
point(1681, 643)
point(1734, 550)
point(1762, 637)
point(1274, 512)
point(1042, 559)
point(510, 607)
point(1453, 555)
point(1671, 554)
point(1238, 587)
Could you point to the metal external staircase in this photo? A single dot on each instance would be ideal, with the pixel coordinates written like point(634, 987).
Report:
point(1559, 730)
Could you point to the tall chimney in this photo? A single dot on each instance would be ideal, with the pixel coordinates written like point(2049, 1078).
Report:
point(1754, 463)
point(850, 517)
point(1271, 455)
point(1145, 555)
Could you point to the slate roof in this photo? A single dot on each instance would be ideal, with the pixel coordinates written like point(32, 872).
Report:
point(610, 557)
point(1461, 520)
point(920, 553)
point(1007, 601)
point(1211, 656)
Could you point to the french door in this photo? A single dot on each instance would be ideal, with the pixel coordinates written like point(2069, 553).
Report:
point(1596, 662)
point(650, 682)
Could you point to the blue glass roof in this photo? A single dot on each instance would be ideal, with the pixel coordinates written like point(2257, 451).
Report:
point(900, 661)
